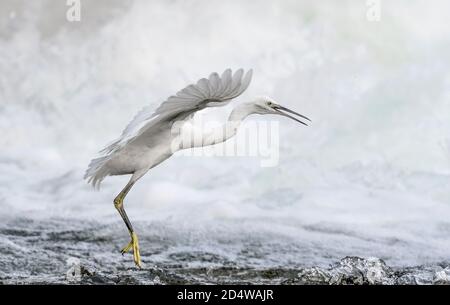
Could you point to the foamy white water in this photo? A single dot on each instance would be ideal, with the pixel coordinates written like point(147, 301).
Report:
point(369, 177)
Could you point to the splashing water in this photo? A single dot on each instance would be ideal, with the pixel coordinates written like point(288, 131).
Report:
point(369, 178)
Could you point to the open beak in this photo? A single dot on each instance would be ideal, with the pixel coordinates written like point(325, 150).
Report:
point(279, 109)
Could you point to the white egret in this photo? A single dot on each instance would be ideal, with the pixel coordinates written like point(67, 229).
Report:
point(149, 139)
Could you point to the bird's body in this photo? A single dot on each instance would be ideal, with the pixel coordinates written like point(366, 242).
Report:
point(141, 155)
point(150, 138)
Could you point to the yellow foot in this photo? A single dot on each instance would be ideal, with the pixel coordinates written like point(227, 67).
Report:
point(133, 244)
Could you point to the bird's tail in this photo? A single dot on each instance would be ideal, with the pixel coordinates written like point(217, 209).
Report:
point(96, 171)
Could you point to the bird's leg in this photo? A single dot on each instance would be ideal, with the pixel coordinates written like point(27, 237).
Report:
point(133, 244)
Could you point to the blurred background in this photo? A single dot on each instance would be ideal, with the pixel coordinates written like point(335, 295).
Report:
point(369, 177)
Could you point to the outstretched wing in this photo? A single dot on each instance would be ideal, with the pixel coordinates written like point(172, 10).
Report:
point(207, 92)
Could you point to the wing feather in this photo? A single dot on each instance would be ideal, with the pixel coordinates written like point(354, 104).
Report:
point(203, 86)
point(214, 83)
point(245, 82)
point(236, 82)
point(195, 97)
point(226, 82)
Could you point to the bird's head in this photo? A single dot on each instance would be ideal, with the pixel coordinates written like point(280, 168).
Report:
point(266, 105)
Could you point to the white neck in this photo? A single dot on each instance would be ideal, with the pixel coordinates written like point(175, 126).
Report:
point(222, 133)
point(240, 112)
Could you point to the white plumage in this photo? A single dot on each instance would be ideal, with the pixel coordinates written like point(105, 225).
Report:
point(207, 92)
point(149, 138)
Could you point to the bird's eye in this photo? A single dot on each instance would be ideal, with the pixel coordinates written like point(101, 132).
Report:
point(269, 103)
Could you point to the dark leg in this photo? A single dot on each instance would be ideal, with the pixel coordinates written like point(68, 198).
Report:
point(133, 244)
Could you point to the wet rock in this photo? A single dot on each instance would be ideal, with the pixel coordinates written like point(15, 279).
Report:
point(420, 275)
point(76, 271)
point(56, 252)
point(356, 270)
point(442, 277)
point(349, 271)
point(313, 275)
